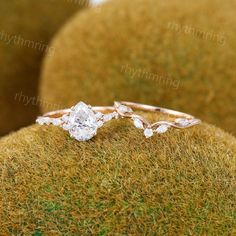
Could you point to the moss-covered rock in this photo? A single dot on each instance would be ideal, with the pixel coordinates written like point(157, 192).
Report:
point(177, 54)
point(119, 183)
point(26, 28)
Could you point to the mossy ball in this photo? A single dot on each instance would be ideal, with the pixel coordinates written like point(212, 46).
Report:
point(118, 183)
point(26, 28)
point(176, 54)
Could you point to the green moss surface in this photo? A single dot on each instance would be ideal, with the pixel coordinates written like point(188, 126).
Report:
point(172, 53)
point(119, 183)
point(26, 28)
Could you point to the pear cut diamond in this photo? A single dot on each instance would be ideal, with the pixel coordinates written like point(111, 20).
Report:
point(148, 132)
point(82, 122)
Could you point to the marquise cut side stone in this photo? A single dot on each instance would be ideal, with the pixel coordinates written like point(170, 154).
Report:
point(43, 121)
point(183, 122)
point(110, 116)
point(82, 123)
point(162, 129)
point(124, 109)
point(138, 123)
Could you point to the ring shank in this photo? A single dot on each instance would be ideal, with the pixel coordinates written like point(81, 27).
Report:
point(60, 113)
point(150, 108)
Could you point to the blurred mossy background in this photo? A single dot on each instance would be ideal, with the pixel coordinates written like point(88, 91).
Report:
point(119, 183)
point(26, 28)
point(171, 53)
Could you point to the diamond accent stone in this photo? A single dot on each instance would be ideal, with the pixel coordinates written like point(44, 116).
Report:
point(56, 121)
point(148, 132)
point(100, 123)
point(43, 120)
point(98, 115)
point(110, 116)
point(47, 121)
point(182, 121)
point(124, 109)
point(162, 129)
point(138, 123)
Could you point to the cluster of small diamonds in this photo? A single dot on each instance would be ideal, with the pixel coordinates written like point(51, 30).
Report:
point(49, 121)
point(82, 122)
point(110, 116)
point(149, 130)
point(138, 123)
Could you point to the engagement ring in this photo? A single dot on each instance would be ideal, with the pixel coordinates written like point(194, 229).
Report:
point(81, 121)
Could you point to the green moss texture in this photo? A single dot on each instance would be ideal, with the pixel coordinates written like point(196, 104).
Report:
point(26, 27)
point(172, 53)
point(119, 183)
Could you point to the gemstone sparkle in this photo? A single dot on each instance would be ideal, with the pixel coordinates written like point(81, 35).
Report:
point(162, 129)
point(124, 109)
point(138, 123)
point(148, 132)
point(43, 121)
point(183, 122)
point(82, 122)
